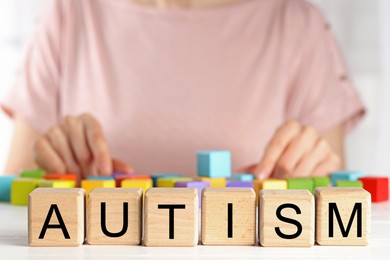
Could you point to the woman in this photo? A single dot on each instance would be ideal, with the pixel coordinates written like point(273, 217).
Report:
point(149, 82)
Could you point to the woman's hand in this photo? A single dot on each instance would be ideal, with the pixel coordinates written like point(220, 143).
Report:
point(77, 145)
point(296, 151)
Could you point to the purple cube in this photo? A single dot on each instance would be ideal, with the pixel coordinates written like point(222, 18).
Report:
point(239, 184)
point(200, 185)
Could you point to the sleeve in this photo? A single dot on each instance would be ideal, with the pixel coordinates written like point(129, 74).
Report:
point(322, 94)
point(34, 95)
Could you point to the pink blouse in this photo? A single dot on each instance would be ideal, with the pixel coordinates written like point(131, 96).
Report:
point(166, 83)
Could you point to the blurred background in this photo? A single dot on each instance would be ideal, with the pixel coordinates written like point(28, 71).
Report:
point(362, 28)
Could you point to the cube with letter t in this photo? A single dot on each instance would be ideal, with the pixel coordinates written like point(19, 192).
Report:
point(342, 216)
point(56, 217)
point(171, 217)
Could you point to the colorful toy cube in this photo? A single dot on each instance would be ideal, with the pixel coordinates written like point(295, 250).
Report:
point(301, 184)
point(214, 164)
point(5, 187)
point(239, 184)
point(156, 176)
point(243, 177)
point(20, 188)
point(35, 174)
point(378, 187)
point(346, 176)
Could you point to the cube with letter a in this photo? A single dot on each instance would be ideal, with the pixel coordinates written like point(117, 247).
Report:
point(56, 217)
point(342, 216)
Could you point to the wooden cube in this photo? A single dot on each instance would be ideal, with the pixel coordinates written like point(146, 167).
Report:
point(378, 187)
point(286, 218)
point(228, 216)
point(342, 216)
point(171, 217)
point(114, 216)
point(56, 217)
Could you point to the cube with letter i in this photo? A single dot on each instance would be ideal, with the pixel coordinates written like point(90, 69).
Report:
point(228, 216)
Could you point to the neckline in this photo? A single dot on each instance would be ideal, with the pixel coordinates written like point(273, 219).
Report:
point(152, 10)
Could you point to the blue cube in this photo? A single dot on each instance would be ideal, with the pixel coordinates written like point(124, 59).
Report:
point(100, 178)
point(243, 177)
point(5, 187)
point(345, 176)
point(214, 164)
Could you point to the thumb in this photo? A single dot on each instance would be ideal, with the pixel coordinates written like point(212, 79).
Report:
point(120, 166)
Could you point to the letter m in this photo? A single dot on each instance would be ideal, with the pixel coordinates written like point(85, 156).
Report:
point(357, 210)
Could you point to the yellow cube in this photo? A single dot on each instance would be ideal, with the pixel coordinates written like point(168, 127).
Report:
point(144, 184)
point(57, 184)
point(170, 182)
point(274, 184)
point(214, 182)
point(89, 185)
point(20, 189)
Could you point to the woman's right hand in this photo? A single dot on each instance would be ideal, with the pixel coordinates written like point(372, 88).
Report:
point(77, 145)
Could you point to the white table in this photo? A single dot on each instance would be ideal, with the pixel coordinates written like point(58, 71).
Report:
point(13, 245)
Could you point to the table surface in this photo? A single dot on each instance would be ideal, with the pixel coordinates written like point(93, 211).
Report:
point(13, 244)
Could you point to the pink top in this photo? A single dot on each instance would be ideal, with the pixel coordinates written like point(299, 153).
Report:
point(167, 83)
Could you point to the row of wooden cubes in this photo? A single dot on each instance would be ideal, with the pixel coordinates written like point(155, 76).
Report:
point(286, 218)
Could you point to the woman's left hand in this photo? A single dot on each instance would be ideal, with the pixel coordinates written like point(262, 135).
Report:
point(296, 151)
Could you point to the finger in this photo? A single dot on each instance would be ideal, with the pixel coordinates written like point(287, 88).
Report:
point(120, 166)
point(47, 158)
point(330, 164)
point(249, 169)
point(75, 133)
point(97, 143)
point(275, 148)
point(301, 145)
point(311, 159)
point(60, 144)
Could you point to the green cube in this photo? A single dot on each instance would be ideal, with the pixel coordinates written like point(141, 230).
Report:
point(349, 184)
point(35, 174)
point(20, 189)
point(300, 184)
point(321, 181)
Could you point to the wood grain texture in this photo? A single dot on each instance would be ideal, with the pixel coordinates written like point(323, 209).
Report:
point(215, 217)
point(346, 199)
point(114, 199)
point(156, 230)
point(271, 201)
point(70, 204)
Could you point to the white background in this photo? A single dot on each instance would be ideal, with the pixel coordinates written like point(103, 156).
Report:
point(362, 28)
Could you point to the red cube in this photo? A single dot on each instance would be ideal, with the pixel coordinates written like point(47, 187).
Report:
point(377, 186)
